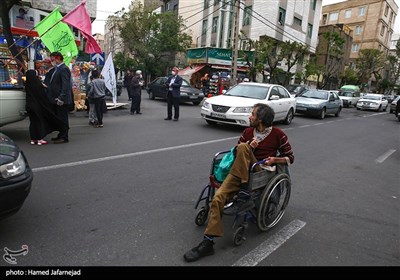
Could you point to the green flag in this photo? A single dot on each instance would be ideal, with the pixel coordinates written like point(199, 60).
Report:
point(57, 36)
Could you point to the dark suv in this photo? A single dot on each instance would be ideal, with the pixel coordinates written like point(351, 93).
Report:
point(15, 177)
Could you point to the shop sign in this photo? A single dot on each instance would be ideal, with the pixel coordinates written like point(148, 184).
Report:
point(196, 55)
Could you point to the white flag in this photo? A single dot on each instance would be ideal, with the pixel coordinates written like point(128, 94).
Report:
point(108, 73)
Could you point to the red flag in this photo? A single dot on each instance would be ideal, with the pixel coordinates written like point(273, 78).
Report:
point(79, 18)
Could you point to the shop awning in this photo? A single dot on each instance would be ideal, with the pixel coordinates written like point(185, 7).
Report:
point(188, 71)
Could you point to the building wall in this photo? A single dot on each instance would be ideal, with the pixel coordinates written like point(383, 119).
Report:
point(65, 5)
point(377, 23)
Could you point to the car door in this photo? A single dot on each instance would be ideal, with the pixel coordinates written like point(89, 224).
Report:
point(275, 102)
point(287, 101)
point(160, 90)
point(333, 103)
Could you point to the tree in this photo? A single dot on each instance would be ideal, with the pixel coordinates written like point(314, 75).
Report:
point(151, 38)
point(5, 7)
point(267, 53)
point(292, 52)
point(370, 62)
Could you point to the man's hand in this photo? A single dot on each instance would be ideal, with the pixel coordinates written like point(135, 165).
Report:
point(253, 143)
point(59, 102)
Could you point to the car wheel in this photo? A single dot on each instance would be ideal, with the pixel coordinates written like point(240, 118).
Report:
point(322, 114)
point(289, 117)
point(380, 108)
point(196, 102)
point(151, 95)
point(211, 122)
point(385, 108)
point(338, 112)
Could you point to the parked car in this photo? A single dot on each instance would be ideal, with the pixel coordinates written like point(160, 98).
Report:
point(373, 101)
point(392, 108)
point(15, 177)
point(319, 103)
point(12, 95)
point(349, 97)
point(235, 105)
point(158, 88)
point(296, 89)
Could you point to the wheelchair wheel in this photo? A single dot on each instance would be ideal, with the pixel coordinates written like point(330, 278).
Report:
point(238, 236)
point(201, 216)
point(273, 201)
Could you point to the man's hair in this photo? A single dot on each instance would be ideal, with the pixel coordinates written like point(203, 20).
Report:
point(57, 54)
point(95, 74)
point(264, 113)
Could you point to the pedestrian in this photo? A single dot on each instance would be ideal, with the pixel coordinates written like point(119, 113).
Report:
point(205, 82)
point(174, 83)
point(96, 95)
point(40, 111)
point(136, 92)
point(59, 88)
point(127, 81)
point(259, 141)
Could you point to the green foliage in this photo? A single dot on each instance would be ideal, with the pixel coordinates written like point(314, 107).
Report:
point(370, 62)
point(151, 38)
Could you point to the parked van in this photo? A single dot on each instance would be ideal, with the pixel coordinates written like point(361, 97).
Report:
point(12, 94)
point(350, 95)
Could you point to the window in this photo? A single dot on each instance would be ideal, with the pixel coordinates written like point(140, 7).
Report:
point(355, 47)
point(204, 27)
point(333, 16)
point(361, 11)
point(297, 21)
point(206, 4)
point(314, 4)
point(324, 19)
point(247, 15)
point(383, 30)
point(282, 16)
point(347, 14)
point(214, 25)
point(309, 30)
point(386, 10)
point(358, 30)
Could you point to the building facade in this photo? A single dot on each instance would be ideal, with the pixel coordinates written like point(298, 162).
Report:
point(372, 22)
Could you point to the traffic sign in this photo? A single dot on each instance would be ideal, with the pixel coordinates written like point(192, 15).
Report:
point(98, 58)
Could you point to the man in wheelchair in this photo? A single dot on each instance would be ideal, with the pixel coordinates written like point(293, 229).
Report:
point(260, 141)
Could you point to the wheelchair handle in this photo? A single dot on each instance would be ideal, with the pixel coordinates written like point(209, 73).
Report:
point(257, 163)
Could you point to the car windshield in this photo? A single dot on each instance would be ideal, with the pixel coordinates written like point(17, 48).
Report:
point(249, 91)
point(10, 75)
point(346, 93)
point(185, 83)
point(315, 94)
point(372, 97)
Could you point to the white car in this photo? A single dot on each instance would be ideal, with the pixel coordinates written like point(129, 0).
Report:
point(235, 105)
point(373, 101)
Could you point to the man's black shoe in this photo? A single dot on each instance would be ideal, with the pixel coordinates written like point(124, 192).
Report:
point(138, 113)
point(176, 120)
point(55, 138)
point(205, 248)
point(167, 119)
point(239, 205)
point(60, 141)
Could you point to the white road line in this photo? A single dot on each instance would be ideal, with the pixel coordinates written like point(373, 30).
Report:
point(270, 245)
point(306, 125)
point(383, 157)
point(82, 162)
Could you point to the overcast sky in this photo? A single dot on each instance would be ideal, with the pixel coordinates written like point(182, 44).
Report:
point(106, 8)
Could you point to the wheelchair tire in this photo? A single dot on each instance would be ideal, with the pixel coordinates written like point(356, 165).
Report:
point(273, 201)
point(201, 216)
point(238, 236)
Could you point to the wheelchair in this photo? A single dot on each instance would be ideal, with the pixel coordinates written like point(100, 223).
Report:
point(270, 191)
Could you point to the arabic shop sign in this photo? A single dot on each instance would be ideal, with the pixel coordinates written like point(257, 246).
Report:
point(218, 56)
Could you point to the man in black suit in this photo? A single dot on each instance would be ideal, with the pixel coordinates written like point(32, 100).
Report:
point(59, 88)
point(174, 84)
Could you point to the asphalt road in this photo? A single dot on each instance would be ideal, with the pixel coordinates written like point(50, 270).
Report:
point(124, 195)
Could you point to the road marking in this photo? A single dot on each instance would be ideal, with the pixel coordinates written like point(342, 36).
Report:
point(383, 157)
point(270, 245)
point(95, 160)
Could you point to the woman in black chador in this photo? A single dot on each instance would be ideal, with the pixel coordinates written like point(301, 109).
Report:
point(40, 111)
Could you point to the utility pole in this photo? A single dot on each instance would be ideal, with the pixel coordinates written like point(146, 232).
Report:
point(235, 43)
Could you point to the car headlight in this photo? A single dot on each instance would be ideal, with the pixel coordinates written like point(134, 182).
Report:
point(14, 168)
point(206, 105)
point(183, 93)
point(242, 110)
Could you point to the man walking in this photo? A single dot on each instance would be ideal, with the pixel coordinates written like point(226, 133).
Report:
point(60, 88)
point(135, 88)
point(174, 84)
